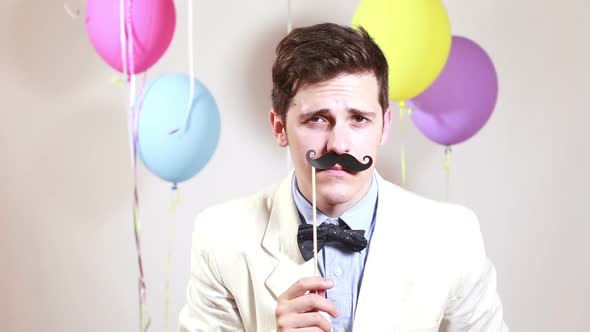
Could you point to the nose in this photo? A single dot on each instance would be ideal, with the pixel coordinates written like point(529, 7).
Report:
point(339, 139)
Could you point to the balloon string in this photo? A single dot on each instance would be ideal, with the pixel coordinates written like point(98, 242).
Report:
point(143, 315)
point(126, 39)
point(447, 169)
point(117, 80)
point(404, 112)
point(130, 38)
point(191, 63)
point(172, 204)
point(128, 46)
point(73, 13)
point(403, 163)
point(174, 199)
point(191, 92)
point(289, 25)
point(122, 37)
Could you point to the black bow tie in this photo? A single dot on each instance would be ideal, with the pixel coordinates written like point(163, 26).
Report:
point(353, 240)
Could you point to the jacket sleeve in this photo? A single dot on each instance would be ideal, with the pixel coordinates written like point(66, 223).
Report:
point(475, 305)
point(210, 306)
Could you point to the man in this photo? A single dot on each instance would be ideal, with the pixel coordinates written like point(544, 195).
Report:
point(422, 266)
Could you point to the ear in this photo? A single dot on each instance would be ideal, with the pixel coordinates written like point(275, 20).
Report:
point(278, 128)
point(386, 126)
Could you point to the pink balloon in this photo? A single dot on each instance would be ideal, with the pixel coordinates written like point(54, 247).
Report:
point(153, 23)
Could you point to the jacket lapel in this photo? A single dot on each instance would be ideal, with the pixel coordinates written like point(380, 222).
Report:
point(400, 291)
point(386, 288)
point(377, 303)
point(280, 241)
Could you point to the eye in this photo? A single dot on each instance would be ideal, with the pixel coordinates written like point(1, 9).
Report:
point(359, 118)
point(315, 119)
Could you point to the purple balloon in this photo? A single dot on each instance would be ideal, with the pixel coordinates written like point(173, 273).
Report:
point(461, 100)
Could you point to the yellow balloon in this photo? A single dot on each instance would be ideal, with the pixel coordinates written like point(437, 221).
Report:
point(415, 36)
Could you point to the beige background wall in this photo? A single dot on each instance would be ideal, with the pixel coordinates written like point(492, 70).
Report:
point(66, 240)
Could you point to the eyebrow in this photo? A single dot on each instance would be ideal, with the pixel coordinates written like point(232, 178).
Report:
point(366, 114)
point(324, 111)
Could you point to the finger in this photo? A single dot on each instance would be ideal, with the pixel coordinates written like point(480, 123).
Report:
point(309, 321)
point(313, 302)
point(301, 286)
point(314, 319)
point(321, 292)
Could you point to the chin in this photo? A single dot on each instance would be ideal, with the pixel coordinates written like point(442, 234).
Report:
point(334, 196)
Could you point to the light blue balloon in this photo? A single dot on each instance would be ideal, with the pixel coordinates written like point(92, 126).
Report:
point(179, 156)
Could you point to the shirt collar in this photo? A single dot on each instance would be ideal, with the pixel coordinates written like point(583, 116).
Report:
point(360, 216)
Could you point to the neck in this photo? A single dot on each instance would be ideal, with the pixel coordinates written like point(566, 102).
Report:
point(334, 210)
point(337, 205)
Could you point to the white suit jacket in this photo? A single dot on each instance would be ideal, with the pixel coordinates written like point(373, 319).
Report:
point(426, 270)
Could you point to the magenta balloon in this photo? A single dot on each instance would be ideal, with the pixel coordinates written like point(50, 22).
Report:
point(153, 23)
point(461, 100)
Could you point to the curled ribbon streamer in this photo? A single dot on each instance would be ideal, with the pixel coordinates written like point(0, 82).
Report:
point(122, 38)
point(447, 169)
point(127, 40)
point(172, 204)
point(404, 112)
point(191, 93)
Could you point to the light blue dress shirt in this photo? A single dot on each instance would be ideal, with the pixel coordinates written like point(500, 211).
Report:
point(345, 268)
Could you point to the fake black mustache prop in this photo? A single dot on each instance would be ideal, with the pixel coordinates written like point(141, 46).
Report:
point(347, 161)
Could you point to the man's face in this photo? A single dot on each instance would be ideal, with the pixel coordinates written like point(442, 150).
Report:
point(342, 115)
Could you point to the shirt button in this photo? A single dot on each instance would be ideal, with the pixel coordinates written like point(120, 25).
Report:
point(337, 272)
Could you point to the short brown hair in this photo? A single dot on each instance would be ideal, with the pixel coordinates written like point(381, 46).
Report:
point(321, 52)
